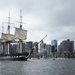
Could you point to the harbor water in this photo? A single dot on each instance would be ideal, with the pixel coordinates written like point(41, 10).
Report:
point(38, 67)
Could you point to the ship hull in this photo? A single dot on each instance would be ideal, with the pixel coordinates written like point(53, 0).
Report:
point(14, 58)
point(17, 56)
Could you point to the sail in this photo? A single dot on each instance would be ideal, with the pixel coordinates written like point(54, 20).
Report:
point(2, 40)
point(20, 34)
point(7, 37)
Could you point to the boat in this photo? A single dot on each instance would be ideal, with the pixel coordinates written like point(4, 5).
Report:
point(6, 40)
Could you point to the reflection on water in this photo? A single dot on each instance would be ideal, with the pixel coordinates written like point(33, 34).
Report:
point(38, 67)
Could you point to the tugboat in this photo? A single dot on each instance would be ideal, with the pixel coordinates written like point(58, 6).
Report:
point(6, 40)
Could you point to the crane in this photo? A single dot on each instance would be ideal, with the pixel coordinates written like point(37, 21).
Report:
point(35, 46)
point(42, 39)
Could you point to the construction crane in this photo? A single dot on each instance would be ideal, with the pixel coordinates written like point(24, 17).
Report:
point(42, 39)
point(36, 46)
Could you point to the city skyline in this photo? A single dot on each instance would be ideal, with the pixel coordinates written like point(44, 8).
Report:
point(52, 18)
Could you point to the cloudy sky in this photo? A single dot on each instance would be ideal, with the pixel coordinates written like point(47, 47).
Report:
point(55, 18)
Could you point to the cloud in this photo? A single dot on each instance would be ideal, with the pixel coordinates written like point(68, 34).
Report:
point(56, 18)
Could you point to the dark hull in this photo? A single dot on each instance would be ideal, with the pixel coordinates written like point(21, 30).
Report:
point(14, 58)
point(17, 56)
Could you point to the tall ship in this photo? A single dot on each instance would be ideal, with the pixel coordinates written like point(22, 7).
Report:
point(8, 40)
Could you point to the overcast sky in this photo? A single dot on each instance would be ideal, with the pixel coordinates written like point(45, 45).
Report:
point(55, 18)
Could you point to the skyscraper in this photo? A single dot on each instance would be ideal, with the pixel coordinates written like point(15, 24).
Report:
point(67, 46)
point(54, 46)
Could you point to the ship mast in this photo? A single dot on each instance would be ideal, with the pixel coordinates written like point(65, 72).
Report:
point(9, 24)
point(20, 43)
point(20, 33)
point(8, 31)
point(21, 19)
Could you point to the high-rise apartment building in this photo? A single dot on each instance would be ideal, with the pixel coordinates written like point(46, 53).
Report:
point(66, 46)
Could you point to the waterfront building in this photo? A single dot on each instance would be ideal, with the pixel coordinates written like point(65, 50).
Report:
point(23, 47)
point(54, 46)
point(11, 51)
point(28, 46)
point(45, 49)
point(36, 46)
point(5, 48)
point(41, 45)
point(1, 48)
point(48, 48)
point(66, 46)
point(15, 48)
